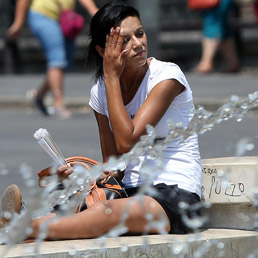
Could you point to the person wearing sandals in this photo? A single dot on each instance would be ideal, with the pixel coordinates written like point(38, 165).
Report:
point(132, 91)
point(43, 20)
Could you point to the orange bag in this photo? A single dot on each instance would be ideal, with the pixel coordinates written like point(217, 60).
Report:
point(202, 4)
point(84, 161)
point(106, 189)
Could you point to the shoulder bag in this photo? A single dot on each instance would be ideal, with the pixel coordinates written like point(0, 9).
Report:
point(106, 189)
point(71, 22)
point(202, 4)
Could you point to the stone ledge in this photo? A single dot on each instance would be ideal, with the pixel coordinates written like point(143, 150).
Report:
point(228, 185)
point(226, 213)
point(209, 243)
point(229, 180)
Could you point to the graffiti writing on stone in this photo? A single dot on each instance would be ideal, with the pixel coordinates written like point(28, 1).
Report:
point(215, 185)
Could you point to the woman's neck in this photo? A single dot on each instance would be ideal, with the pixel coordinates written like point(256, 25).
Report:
point(133, 77)
point(131, 81)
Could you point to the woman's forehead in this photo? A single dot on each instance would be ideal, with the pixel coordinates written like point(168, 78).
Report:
point(130, 20)
point(130, 23)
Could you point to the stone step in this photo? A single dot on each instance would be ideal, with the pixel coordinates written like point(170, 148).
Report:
point(206, 244)
point(230, 186)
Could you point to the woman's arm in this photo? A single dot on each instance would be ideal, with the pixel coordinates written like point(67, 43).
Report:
point(20, 17)
point(126, 131)
point(107, 141)
point(90, 6)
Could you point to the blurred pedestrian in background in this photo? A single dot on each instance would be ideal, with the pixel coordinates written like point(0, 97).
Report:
point(43, 19)
point(256, 10)
point(217, 33)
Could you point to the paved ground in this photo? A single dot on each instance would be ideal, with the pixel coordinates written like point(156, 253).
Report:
point(210, 90)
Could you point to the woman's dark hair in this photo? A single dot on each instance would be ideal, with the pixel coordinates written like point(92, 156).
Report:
point(110, 15)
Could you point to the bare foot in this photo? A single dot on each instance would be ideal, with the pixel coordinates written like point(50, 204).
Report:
point(204, 67)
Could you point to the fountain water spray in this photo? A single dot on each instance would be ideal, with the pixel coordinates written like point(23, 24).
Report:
point(201, 122)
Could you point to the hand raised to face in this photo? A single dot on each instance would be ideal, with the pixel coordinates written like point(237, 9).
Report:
point(114, 55)
point(115, 40)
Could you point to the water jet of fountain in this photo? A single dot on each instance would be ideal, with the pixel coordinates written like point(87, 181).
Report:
point(41, 200)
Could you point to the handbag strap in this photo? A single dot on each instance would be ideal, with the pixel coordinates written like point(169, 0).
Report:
point(84, 161)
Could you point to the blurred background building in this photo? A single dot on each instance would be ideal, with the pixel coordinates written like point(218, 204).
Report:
point(174, 34)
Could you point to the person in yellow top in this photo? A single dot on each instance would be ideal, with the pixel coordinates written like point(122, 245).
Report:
point(43, 20)
point(51, 8)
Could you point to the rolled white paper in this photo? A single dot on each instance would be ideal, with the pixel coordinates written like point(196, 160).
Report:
point(47, 143)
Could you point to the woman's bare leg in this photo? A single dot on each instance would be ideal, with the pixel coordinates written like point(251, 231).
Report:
point(229, 50)
point(55, 77)
point(55, 82)
point(102, 217)
point(43, 90)
point(209, 49)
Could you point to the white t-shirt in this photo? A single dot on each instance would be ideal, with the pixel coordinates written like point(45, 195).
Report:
point(182, 159)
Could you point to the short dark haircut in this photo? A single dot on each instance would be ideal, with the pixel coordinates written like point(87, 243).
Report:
point(110, 15)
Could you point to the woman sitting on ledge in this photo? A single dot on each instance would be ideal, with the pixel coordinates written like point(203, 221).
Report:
point(131, 92)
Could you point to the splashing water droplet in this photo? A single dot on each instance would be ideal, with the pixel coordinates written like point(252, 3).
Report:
point(244, 145)
point(124, 248)
point(3, 172)
point(41, 202)
point(108, 211)
point(178, 248)
point(221, 245)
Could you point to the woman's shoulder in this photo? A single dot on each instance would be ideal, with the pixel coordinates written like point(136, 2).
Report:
point(161, 71)
point(157, 66)
point(164, 69)
point(99, 83)
point(98, 86)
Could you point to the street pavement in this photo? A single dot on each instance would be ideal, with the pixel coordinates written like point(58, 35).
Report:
point(79, 135)
point(210, 91)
